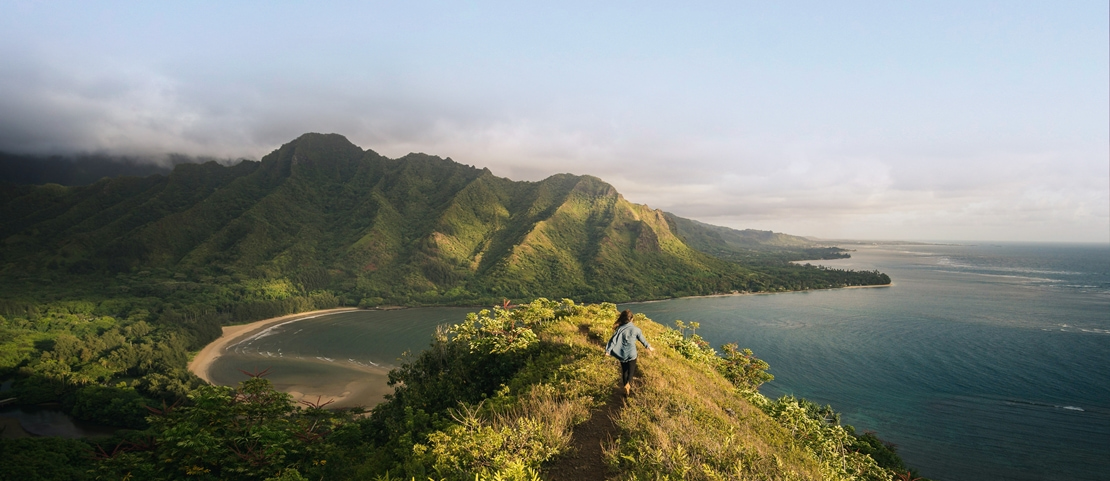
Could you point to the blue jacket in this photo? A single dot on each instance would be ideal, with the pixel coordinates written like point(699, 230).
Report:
point(623, 343)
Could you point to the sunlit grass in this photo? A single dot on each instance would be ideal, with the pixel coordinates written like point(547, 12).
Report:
point(683, 421)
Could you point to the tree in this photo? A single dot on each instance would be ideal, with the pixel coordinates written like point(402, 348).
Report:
point(252, 432)
point(742, 368)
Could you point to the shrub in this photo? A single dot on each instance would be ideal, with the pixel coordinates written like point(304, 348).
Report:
point(742, 368)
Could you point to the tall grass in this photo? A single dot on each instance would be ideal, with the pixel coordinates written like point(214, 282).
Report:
point(684, 419)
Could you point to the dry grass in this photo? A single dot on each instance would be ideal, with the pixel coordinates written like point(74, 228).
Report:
point(685, 421)
point(508, 442)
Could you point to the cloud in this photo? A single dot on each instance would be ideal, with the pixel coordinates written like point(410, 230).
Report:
point(51, 110)
point(814, 186)
point(723, 132)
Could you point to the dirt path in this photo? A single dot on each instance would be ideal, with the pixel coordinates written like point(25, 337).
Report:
point(584, 461)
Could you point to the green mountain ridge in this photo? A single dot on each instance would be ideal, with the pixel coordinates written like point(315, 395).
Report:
point(323, 214)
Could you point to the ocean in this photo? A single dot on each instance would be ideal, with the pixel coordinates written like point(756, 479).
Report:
point(980, 362)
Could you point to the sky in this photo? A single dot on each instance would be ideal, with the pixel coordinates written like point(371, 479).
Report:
point(963, 120)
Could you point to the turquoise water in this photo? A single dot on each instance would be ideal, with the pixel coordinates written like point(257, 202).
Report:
point(987, 362)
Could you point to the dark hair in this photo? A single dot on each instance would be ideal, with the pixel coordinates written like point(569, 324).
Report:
point(624, 318)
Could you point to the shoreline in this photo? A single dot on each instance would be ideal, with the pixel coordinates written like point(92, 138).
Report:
point(202, 361)
point(737, 293)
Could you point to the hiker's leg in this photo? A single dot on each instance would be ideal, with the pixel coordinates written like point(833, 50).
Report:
point(628, 369)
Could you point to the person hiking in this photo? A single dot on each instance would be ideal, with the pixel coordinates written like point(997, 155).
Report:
point(623, 347)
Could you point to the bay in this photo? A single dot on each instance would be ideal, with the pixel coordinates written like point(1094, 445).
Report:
point(343, 357)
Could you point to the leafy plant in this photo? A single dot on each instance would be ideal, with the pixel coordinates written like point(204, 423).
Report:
point(742, 368)
point(250, 432)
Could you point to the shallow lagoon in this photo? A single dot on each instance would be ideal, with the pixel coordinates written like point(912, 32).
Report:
point(343, 356)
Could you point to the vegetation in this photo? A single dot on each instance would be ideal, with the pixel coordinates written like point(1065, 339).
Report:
point(46, 459)
point(105, 360)
point(497, 397)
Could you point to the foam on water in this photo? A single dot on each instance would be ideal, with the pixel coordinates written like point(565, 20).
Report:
point(275, 329)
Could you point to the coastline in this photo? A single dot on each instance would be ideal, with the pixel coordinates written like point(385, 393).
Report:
point(737, 293)
point(203, 360)
point(367, 387)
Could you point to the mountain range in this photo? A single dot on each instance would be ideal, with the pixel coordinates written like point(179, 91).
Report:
point(320, 214)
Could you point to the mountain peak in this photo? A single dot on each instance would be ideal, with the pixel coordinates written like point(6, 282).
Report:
point(316, 138)
point(314, 154)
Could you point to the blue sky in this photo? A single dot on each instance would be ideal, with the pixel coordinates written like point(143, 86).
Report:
point(880, 120)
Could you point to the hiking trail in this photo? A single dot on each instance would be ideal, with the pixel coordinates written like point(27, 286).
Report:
point(584, 458)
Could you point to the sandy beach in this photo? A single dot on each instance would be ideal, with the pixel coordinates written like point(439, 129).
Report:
point(345, 385)
point(203, 360)
point(366, 387)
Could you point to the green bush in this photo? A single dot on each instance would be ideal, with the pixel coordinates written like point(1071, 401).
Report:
point(251, 432)
point(111, 406)
point(45, 459)
point(742, 368)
